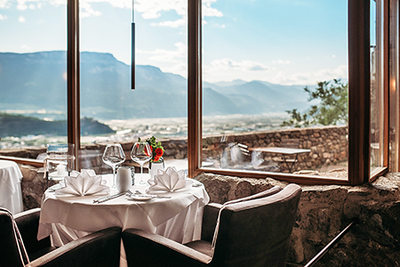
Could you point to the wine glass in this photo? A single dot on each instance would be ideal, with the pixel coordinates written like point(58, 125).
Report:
point(112, 156)
point(60, 159)
point(141, 153)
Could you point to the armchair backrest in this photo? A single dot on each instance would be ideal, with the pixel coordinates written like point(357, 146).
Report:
point(11, 246)
point(210, 220)
point(257, 232)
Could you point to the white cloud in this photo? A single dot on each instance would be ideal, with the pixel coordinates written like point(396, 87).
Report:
point(311, 77)
point(54, 2)
point(21, 19)
point(88, 10)
point(244, 65)
point(2, 17)
point(150, 9)
point(163, 55)
point(5, 3)
point(282, 62)
point(21, 5)
point(26, 47)
point(228, 69)
point(172, 24)
point(173, 61)
point(208, 11)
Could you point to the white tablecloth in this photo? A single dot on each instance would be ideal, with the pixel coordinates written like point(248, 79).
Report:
point(178, 218)
point(10, 186)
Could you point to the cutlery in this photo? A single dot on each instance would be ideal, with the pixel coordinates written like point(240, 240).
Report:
point(137, 192)
point(103, 199)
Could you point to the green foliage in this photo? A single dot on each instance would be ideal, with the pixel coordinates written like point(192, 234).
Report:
point(157, 149)
point(332, 110)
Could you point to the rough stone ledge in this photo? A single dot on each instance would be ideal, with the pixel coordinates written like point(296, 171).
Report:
point(326, 210)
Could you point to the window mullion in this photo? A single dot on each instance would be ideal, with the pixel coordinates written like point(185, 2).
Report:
point(359, 91)
point(73, 92)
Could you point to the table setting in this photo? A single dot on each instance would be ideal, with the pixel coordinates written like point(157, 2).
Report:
point(167, 203)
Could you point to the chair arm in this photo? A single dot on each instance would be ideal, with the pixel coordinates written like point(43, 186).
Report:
point(210, 217)
point(101, 248)
point(148, 249)
point(28, 225)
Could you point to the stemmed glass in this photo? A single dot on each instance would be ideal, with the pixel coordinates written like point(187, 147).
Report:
point(60, 158)
point(112, 156)
point(141, 153)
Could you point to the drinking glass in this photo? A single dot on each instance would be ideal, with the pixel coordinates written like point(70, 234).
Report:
point(112, 156)
point(141, 153)
point(60, 160)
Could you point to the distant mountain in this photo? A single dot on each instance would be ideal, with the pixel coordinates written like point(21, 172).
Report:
point(232, 83)
point(37, 81)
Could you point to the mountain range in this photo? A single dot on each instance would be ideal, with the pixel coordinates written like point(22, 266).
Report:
point(33, 82)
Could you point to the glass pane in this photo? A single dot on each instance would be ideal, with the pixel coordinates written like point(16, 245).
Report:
point(394, 119)
point(377, 84)
point(157, 107)
point(33, 88)
point(258, 58)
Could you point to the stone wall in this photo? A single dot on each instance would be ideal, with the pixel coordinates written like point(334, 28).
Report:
point(33, 185)
point(324, 211)
point(328, 146)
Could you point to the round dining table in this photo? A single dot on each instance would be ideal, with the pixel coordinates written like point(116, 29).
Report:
point(10, 186)
point(176, 215)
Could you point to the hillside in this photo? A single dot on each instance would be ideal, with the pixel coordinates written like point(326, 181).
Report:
point(36, 81)
point(17, 126)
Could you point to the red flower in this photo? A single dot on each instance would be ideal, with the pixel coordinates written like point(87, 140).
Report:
point(159, 152)
point(156, 158)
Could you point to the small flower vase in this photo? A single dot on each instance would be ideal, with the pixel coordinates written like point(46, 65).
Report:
point(155, 166)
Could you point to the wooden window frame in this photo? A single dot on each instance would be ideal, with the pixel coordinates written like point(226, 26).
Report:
point(359, 96)
point(359, 101)
point(73, 78)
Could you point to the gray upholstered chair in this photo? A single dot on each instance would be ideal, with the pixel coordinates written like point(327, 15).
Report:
point(253, 231)
point(19, 245)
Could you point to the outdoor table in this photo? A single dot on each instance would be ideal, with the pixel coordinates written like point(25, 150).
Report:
point(10, 186)
point(284, 151)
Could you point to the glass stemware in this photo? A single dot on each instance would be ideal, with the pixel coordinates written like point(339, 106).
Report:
point(60, 160)
point(112, 156)
point(141, 153)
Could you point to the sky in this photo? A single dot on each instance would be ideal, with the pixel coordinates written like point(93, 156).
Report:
point(278, 41)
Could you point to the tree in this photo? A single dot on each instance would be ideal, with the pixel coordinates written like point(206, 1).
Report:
point(332, 110)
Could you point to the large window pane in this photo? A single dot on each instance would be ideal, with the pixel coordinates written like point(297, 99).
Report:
point(394, 119)
point(377, 84)
point(157, 106)
point(32, 74)
point(258, 57)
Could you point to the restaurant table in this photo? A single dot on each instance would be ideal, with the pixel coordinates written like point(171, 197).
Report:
point(10, 186)
point(284, 151)
point(178, 218)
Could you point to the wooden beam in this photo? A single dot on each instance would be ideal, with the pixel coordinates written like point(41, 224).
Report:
point(194, 86)
point(73, 91)
point(359, 91)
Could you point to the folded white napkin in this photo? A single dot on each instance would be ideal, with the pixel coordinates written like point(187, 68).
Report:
point(169, 180)
point(83, 184)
